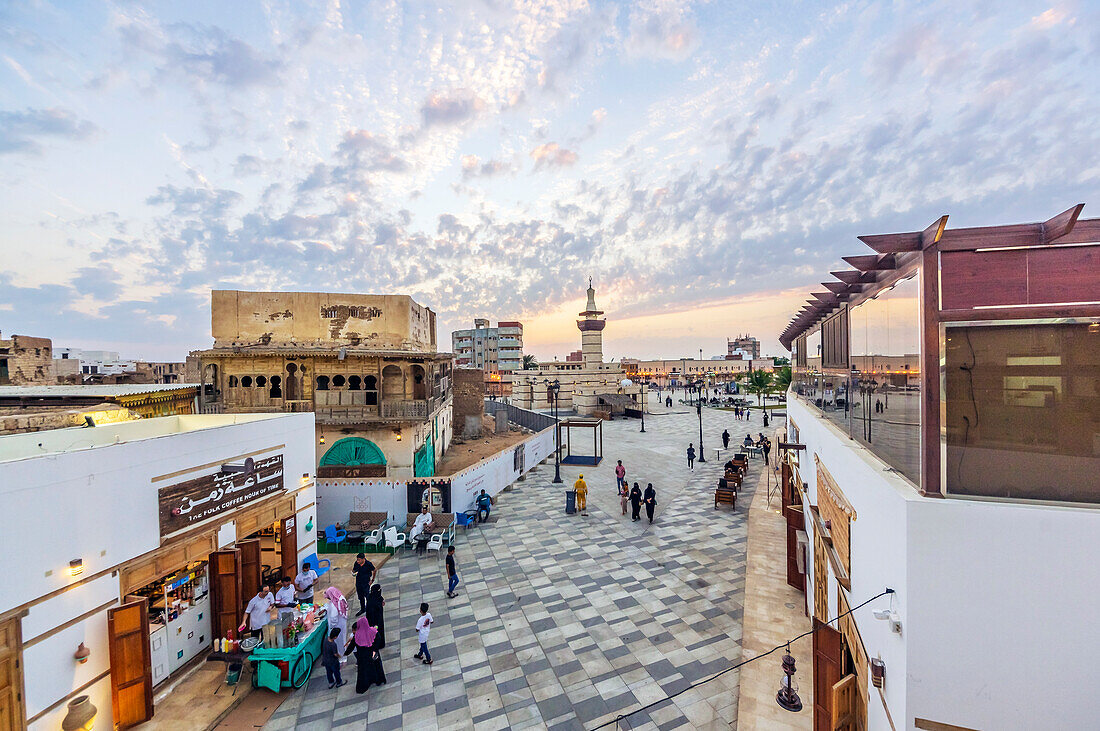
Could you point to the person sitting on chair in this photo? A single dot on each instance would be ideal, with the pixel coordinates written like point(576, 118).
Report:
point(421, 529)
point(748, 441)
point(484, 506)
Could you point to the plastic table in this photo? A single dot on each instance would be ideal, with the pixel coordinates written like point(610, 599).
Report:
point(299, 660)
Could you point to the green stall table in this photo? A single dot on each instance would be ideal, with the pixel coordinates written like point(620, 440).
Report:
point(299, 660)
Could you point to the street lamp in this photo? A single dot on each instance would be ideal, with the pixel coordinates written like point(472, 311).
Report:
point(699, 410)
point(552, 388)
point(643, 394)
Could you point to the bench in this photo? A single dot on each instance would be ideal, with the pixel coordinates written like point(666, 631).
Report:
point(444, 525)
point(371, 523)
point(725, 495)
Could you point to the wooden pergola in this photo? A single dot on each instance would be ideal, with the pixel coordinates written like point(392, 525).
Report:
point(596, 426)
point(1038, 270)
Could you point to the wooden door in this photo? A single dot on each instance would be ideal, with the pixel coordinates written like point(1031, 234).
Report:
point(131, 664)
point(11, 676)
point(845, 699)
point(795, 523)
point(289, 546)
point(828, 651)
point(821, 580)
point(251, 569)
point(225, 592)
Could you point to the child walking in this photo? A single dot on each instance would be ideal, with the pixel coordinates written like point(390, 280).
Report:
point(330, 658)
point(423, 626)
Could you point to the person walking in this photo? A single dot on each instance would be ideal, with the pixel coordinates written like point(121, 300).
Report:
point(452, 572)
point(364, 577)
point(624, 496)
point(765, 418)
point(368, 661)
point(635, 501)
point(620, 475)
point(330, 659)
point(650, 499)
point(691, 456)
point(581, 487)
point(375, 615)
point(336, 612)
point(767, 448)
point(423, 627)
point(725, 439)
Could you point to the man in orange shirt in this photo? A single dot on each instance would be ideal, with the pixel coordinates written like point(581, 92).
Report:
point(581, 488)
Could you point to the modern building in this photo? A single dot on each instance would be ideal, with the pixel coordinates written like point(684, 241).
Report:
point(743, 346)
point(365, 365)
point(945, 445)
point(26, 361)
point(588, 386)
point(106, 367)
point(124, 570)
point(492, 349)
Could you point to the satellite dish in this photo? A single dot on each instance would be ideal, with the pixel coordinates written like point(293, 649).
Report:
point(626, 382)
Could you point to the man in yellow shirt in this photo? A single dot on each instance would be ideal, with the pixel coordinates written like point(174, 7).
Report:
point(581, 488)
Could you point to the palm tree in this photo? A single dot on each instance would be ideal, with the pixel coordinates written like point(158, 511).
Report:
point(759, 382)
point(529, 363)
point(782, 379)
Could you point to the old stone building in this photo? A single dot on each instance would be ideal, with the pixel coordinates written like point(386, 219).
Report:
point(469, 401)
point(365, 365)
point(26, 361)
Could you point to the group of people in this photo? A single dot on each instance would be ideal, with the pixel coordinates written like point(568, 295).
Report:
point(634, 495)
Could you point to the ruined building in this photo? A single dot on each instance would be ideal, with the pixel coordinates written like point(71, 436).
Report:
point(26, 361)
point(365, 365)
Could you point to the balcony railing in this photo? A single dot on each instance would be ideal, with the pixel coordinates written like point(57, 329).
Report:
point(405, 409)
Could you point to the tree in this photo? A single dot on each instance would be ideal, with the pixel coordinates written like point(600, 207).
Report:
point(782, 379)
point(529, 362)
point(759, 382)
point(782, 361)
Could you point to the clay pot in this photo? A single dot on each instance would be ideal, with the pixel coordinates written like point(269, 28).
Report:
point(81, 714)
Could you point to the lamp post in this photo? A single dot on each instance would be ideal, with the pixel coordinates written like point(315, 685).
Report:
point(699, 410)
point(552, 388)
point(644, 396)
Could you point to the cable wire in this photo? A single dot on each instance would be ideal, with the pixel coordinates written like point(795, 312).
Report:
point(741, 664)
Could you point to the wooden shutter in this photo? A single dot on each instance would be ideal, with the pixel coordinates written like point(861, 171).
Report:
point(821, 579)
point(826, 670)
point(251, 569)
point(11, 677)
point(225, 591)
point(131, 664)
point(289, 546)
point(844, 701)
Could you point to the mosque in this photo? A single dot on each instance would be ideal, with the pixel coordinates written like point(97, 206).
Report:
point(588, 386)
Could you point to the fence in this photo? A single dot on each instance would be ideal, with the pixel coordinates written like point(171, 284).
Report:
point(531, 420)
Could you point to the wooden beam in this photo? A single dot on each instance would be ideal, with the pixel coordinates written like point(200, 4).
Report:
point(1020, 313)
point(892, 243)
point(931, 235)
point(872, 262)
point(1062, 224)
point(836, 287)
point(826, 297)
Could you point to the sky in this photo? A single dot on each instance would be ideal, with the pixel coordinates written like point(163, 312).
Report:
point(706, 163)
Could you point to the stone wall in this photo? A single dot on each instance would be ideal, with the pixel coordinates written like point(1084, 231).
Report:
point(469, 397)
point(29, 361)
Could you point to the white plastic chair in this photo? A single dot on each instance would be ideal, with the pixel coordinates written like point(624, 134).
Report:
point(373, 538)
point(435, 542)
point(394, 539)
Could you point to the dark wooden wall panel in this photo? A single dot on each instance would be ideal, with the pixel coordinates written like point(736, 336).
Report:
point(1063, 274)
point(983, 278)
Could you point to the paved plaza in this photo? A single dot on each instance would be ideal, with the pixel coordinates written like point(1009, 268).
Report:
point(564, 621)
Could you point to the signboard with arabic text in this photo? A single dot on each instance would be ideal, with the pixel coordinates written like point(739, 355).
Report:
point(189, 503)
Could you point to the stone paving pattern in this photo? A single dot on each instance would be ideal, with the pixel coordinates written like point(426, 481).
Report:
point(563, 621)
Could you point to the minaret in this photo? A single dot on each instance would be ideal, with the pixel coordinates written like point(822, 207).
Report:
point(591, 328)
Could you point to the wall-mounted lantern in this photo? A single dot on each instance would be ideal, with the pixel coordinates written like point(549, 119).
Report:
point(82, 653)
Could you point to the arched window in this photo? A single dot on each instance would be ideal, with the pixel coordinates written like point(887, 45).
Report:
point(355, 383)
point(276, 390)
point(322, 383)
point(232, 381)
point(420, 387)
point(338, 381)
point(246, 381)
point(370, 385)
point(261, 381)
point(393, 383)
point(353, 452)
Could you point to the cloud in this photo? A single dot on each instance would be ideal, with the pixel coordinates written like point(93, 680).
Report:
point(474, 167)
point(25, 131)
point(451, 108)
point(661, 29)
point(550, 154)
point(247, 165)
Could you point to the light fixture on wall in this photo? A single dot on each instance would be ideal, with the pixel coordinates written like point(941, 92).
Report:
point(82, 653)
point(787, 697)
point(309, 524)
point(878, 672)
point(397, 435)
point(322, 439)
point(76, 567)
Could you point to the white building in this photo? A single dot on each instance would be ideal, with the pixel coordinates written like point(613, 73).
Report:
point(114, 525)
point(965, 481)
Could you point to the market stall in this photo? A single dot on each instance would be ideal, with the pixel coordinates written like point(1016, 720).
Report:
point(290, 665)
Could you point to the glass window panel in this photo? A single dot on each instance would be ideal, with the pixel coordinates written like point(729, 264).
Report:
point(1023, 411)
point(885, 376)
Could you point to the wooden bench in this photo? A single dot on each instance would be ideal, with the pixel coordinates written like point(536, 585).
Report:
point(367, 521)
point(725, 495)
point(444, 524)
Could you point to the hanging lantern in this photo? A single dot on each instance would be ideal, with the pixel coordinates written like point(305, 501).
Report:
point(787, 697)
point(309, 524)
point(82, 653)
